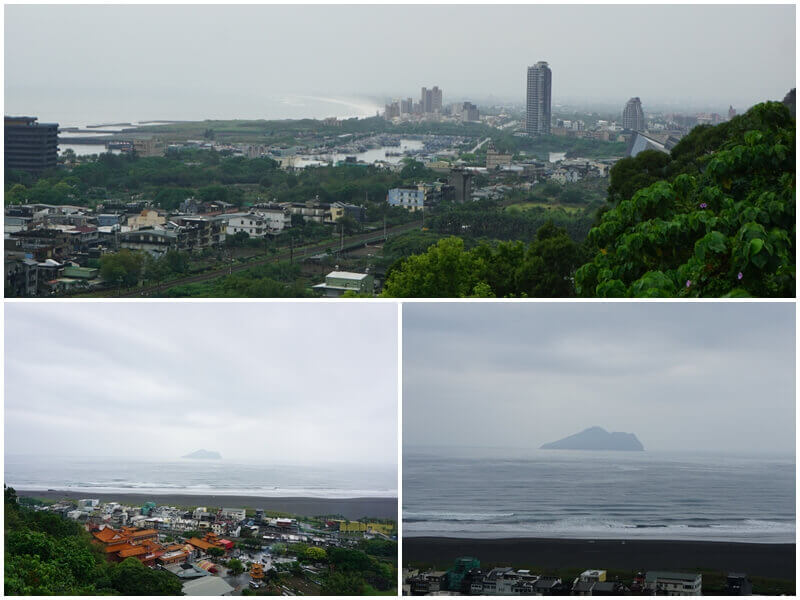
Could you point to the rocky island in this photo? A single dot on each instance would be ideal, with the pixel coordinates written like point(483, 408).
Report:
point(204, 455)
point(596, 438)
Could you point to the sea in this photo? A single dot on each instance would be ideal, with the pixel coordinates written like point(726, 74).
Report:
point(199, 477)
point(111, 108)
point(503, 493)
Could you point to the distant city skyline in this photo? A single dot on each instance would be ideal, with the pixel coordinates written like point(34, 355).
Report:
point(206, 70)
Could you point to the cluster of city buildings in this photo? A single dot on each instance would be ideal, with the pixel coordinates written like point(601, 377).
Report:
point(430, 107)
point(466, 577)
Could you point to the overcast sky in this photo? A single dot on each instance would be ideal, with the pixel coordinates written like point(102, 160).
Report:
point(70, 62)
point(681, 376)
point(299, 382)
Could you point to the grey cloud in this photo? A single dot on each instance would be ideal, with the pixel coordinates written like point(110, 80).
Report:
point(303, 382)
point(692, 376)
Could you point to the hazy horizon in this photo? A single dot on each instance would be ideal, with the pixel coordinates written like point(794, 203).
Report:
point(109, 62)
point(683, 377)
point(281, 383)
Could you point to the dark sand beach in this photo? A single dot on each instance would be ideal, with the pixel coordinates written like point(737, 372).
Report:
point(350, 508)
point(765, 560)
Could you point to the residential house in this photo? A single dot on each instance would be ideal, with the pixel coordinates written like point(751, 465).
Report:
point(253, 224)
point(156, 242)
point(148, 218)
point(674, 584)
point(311, 210)
point(410, 199)
point(339, 282)
point(340, 209)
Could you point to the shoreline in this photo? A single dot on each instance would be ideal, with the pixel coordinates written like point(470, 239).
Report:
point(762, 560)
point(350, 508)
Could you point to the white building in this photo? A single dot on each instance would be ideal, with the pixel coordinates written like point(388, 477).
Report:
point(339, 282)
point(237, 514)
point(278, 217)
point(253, 224)
point(674, 584)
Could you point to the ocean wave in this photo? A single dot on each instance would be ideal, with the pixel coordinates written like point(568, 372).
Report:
point(752, 530)
point(454, 516)
point(197, 490)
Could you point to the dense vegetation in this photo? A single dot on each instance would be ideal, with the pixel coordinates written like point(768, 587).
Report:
point(542, 145)
point(279, 280)
point(353, 572)
point(48, 555)
point(486, 219)
point(447, 270)
point(714, 218)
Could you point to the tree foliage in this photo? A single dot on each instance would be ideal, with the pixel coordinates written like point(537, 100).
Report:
point(721, 222)
point(543, 268)
point(48, 555)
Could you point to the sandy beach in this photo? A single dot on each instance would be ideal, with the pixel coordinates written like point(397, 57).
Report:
point(350, 508)
point(765, 560)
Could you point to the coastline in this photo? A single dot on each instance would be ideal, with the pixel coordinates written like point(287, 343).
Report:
point(764, 560)
point(350, 508)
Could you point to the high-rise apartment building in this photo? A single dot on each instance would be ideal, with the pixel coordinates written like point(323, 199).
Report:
point(633, 116)
point(431, 100)
point(537, 114)
point(30, 146)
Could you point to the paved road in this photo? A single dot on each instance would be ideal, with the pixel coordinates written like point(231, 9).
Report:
point(298, 253)
point(481, 143)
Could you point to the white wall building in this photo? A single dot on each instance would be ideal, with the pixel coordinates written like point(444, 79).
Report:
point(253, 224)
point(236, 514)
point(674, 584)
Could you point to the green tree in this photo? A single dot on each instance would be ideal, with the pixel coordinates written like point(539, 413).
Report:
point(122, 268)
point(236, 566)
point(132, 578)
point(28, 575)
point(446, 270)
point(549, 265)
point(315, 554)
point(722, 224)
point(349, 224)
point(343, 584)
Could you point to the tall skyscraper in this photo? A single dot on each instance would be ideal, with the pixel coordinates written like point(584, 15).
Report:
point(537, 115)
point(29, 145)
point(633, 116)
point(431, 100)
point(436, 100)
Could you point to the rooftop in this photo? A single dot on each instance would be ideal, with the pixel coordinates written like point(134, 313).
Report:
point(347, 275)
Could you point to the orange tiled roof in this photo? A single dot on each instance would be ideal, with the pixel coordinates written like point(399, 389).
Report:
point(116, 547)
point(132, 551)
point(202, 544)
point(108, 535)
point(143, 533)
